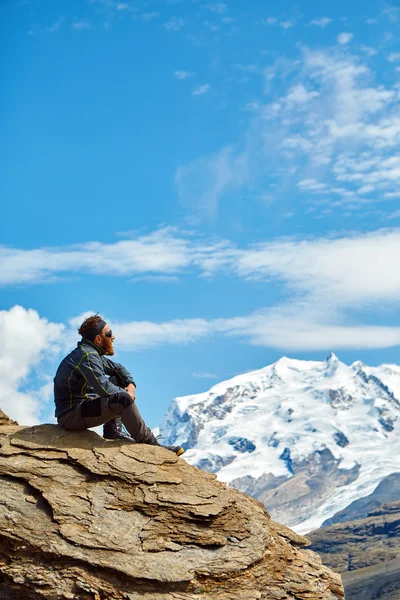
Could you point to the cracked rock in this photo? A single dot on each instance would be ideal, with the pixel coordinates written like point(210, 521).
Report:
point(87, 518)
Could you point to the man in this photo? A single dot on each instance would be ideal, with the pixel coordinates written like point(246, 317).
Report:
point(90, 389)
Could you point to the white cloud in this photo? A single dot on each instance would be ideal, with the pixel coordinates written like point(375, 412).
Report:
point(311, 185)
point(201, 89)
point(394, 57)
point(27, 339)
point(217, 7)
point(211, 26)
point(182, 74)
point(358, 269)
point(287, 24)
point(174, 24)
point(368, 50)
point(271, 20)
point(159, 252)
point(149, 16)
point(299, 95)
point(344, 38)
point(297, 326)
point(56, 25)
point(317, 335)
point(323, 22)
point(392, 13)
point(324, 280)
point(340, 271)
point(81, 25)
point(137, 335)
point(372, 171)
point(250, 68)
point(205, 375)
point(328, 107)
point(203, 182)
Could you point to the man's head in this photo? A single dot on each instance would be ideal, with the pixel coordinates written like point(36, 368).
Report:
point(98, 331)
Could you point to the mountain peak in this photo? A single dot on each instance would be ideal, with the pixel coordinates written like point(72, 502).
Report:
point(257, 429)
point(283, 360)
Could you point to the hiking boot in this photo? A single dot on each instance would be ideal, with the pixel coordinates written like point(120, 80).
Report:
point(112, 430)
point(178, 450)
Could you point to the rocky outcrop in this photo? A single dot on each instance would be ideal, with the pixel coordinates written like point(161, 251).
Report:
point(86, 518)
point(361, 543)
point(4, 420)
point(366, 551)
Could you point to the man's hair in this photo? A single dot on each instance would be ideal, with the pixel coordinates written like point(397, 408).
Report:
point(89, 323)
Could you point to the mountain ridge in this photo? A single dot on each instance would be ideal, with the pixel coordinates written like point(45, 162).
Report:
point(332, 426)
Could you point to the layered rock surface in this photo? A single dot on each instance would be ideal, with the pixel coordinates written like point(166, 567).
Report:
point(86, 518)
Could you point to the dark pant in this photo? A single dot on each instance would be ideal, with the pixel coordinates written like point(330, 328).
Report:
point(96, 411)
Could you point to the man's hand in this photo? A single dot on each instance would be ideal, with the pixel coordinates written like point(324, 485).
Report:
point(131, 391)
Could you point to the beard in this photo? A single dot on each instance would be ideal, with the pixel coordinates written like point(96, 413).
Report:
point(107, 346)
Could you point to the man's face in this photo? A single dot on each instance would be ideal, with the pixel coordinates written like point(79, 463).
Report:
point(104, 341)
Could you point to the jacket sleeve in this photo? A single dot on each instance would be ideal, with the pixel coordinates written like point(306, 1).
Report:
point(92, 369)
point(113, 368)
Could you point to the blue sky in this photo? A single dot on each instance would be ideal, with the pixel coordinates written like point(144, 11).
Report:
point(219, 180)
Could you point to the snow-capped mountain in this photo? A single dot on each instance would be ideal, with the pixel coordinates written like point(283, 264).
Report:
point(306, 438)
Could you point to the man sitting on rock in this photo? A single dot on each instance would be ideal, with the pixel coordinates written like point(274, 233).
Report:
point(90, 389)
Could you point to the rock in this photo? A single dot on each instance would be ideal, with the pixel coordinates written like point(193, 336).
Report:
point(366, 551)
point(4, 420)
point(361, 543)
point(86, 518)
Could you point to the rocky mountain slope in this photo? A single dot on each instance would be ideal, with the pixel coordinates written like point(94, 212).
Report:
point(361, 543)
point(387, 491)
point(86, 518)
point(366, 551)
point(378, 582)
point(305, 438)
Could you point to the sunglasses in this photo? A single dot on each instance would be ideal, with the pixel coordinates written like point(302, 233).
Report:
point(109, 334)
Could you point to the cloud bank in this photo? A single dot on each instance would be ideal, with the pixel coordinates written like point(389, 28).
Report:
point(27, 341)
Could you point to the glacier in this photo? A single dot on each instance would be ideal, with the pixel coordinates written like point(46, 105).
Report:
point(306, 438)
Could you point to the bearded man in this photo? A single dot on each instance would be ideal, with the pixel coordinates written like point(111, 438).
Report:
point(91, 389)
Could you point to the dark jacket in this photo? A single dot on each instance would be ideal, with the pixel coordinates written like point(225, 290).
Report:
point(84, 371)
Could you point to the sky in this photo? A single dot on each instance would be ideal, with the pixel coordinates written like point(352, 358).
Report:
point(219, 180)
